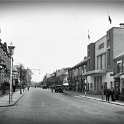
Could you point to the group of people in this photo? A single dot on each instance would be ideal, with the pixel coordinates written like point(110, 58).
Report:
point(110, 93)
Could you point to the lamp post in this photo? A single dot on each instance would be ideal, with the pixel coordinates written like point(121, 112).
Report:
point(19, 79)
point(11, 50)
point(85, 92)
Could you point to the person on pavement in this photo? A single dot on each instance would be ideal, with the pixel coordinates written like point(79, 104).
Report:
point(107, 94)
point(112, 94)
point(28, 88)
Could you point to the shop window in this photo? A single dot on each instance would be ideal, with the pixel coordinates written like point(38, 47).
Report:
point(119, 68)
point(91, 85)
point(95, 83)
point(87, 87)
point(105, 85)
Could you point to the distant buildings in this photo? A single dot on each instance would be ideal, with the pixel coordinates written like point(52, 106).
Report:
point(59, 77)
point(28, 76)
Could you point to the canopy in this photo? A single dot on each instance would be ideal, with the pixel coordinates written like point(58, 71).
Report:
point(65, 84)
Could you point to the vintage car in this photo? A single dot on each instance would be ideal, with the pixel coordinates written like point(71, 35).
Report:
point(44, 87)
point(59, 89)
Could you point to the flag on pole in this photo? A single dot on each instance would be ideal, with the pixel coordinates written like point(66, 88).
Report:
point(88, 35)
point(110, 20)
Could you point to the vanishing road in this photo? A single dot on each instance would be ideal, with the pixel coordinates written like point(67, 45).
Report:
point(40, 106)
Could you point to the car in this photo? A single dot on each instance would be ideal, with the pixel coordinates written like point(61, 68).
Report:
point(44, 87)
point(59, 89)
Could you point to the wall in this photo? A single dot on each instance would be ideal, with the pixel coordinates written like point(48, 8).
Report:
point(101, 51)
point(107, 78)
point(91, 56)
point(118, 42)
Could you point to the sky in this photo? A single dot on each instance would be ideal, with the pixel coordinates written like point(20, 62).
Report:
point(50, 35)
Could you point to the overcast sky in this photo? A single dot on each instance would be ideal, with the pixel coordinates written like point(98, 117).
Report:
point(52, 35)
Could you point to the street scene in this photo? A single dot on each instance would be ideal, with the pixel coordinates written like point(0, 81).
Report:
point(61, 62)
point(42, 106)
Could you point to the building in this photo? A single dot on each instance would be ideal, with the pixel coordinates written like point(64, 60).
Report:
point(62, 76)
point(5, 65)
point(28, 76)
point(103, 59)
point(76, 76)
point(108, 70)
point(115, 41)
point(90, 67)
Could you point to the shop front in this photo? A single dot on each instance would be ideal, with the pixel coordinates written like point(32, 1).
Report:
point(121, 87)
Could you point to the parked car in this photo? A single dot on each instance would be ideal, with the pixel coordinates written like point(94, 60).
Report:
point(59, 89)
point(44, 87)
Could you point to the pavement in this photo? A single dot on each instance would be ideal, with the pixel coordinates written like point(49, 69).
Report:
point(4, 100)
point(93, 97)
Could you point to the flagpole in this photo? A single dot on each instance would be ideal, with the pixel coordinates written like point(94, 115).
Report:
point(109, 20)
point(88, 37)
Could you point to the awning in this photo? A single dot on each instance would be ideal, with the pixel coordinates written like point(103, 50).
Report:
point(65, 84)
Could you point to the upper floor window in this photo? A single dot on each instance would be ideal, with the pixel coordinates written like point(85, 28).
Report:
point(108, 58)
point(101, 46)
point(119, 66)
point(108, 43)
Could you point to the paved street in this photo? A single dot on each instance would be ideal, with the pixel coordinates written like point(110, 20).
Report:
point(40, 106)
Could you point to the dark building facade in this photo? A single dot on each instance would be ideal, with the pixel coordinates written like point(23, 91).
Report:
point(91, 57)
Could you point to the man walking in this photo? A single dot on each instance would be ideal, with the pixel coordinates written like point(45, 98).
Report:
point(107, 94)
point(28, 87)
point(112, 94)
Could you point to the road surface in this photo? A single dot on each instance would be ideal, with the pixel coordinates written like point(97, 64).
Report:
point(41, 106)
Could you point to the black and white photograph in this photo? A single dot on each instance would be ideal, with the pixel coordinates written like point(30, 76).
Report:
point(61, 62)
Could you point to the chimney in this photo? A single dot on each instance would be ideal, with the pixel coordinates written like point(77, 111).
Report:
point(121, 25)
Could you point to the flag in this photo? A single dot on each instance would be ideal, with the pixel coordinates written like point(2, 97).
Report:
point(88, 35)
point(110, 20)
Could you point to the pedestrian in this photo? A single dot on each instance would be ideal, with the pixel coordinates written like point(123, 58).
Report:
point(112, 94)
point(107, 94)
point(23, 88)
point(52, 89)
point(28, 88)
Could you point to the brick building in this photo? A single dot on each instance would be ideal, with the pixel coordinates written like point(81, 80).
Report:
point(5, 65)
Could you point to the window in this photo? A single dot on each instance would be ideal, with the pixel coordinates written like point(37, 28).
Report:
point(105, 85)
point(100, 61)
point(101, 46)
point(95, 83)
point(91, 85)
point(108, 58)
point(119, 66)
point(108, 43)
point(122, 64)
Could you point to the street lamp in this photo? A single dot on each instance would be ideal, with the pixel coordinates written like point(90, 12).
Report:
point(11, 51)
point(85, 92)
